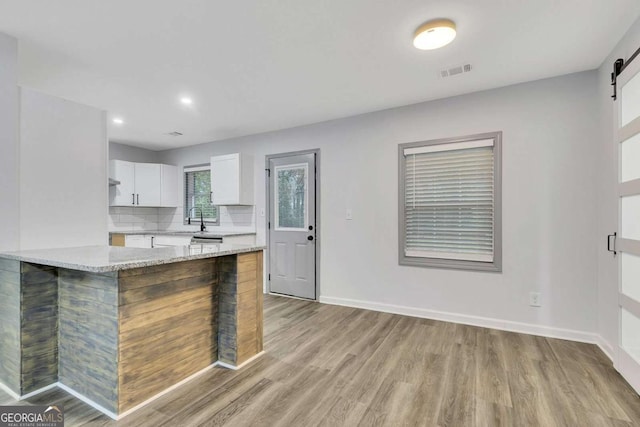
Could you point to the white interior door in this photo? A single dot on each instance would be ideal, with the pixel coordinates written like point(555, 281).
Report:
point(292, 226)
point(628, 242)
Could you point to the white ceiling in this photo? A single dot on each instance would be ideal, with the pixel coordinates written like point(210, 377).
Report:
point(258, 65)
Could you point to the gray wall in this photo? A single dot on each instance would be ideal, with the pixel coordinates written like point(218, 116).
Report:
point(132, 154)
point(607, 192)
point(9, 153)
point(550, 147)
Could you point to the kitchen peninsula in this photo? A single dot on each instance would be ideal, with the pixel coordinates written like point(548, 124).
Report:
point(117, 326)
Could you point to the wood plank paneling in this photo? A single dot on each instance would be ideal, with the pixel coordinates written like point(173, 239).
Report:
point(241, 290)
point(168, 327)
point(38, 326)
point(135, 295)
point(10, 324)
point(249, 305)
point(260, 301)
point(88, 352)
point(126, 336)
point(168, 272)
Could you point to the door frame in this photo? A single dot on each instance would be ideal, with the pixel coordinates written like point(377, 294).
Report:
point(623, 363)
point(318, 225)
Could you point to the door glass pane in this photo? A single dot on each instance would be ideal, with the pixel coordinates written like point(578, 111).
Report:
point(630, 100)
point(630, 276)
point(630, 325)
point(291, 197)
point(630, 215)
point(630, 162)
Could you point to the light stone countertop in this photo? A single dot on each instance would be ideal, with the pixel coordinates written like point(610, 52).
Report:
point(103, 259)
point(185, 233)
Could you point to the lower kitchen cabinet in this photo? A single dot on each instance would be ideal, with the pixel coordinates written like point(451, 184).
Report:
point(138, 241)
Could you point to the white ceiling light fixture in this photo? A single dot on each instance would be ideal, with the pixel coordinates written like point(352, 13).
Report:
point(434, 34)
point(118, 121)
point(185, 100)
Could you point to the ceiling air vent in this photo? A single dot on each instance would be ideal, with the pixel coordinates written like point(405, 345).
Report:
point(175, 133)
point(454, 71)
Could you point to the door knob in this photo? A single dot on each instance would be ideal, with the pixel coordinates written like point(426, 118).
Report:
point(309, 237)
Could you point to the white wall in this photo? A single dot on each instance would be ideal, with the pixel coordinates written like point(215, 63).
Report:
point(607, 191)
point(550, 149)
point(63, 173)
point(9, 153)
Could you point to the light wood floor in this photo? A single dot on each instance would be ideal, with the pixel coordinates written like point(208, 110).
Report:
point(337, 366)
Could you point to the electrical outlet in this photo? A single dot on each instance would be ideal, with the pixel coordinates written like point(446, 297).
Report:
point(534, 299)
point(349, 214)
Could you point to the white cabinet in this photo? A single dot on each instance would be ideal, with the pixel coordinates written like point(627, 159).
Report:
point(245, 239)
point(163, 240)
point(232, 179)
point(168, 186)
point(147, 184)
point(143, 184)
point(138, 241)
point(122, 194)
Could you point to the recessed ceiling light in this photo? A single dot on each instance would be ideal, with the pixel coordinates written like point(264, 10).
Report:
point(434, 34)
point(185, 100)
point(118, 121)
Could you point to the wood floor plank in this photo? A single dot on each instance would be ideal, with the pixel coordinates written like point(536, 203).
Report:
point(458, 401)
point(492, 384)
point(339, 366)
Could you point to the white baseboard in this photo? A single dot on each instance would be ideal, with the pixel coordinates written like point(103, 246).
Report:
point(606, 348)
point(38, 391)
point(484, 322)
point(10, 392)
point(165, 391)
point(246, 362)
point(88, 401)
point(111, 414)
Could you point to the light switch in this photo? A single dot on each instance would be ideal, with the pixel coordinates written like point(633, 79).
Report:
point(349, 214)
point(262, 212)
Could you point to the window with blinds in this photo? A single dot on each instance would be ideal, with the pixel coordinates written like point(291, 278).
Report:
point(197, 193)
point(450, 203)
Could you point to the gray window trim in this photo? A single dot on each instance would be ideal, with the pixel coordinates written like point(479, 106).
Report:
point(496, 265)
point(185, 218)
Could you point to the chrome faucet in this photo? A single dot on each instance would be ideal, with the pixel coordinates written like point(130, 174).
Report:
point(203, 228)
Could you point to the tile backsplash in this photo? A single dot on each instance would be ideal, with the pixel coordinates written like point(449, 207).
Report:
point(232, 218)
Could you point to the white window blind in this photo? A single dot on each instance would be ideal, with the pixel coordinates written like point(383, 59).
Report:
point(197, 191)
point(449, 201)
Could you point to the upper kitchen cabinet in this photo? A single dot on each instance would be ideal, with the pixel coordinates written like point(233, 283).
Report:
point(124, 193)
point(232, 179)
point(168, 186)
point(143, 184)
point(147, 184)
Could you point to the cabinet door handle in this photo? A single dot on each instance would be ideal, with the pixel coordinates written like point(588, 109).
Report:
point(133, 198)
point(211, 197)
point(138, 199)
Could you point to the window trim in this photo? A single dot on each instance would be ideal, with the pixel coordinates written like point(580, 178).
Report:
point(496, 265)
point(185, 217)
point(304, 166)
